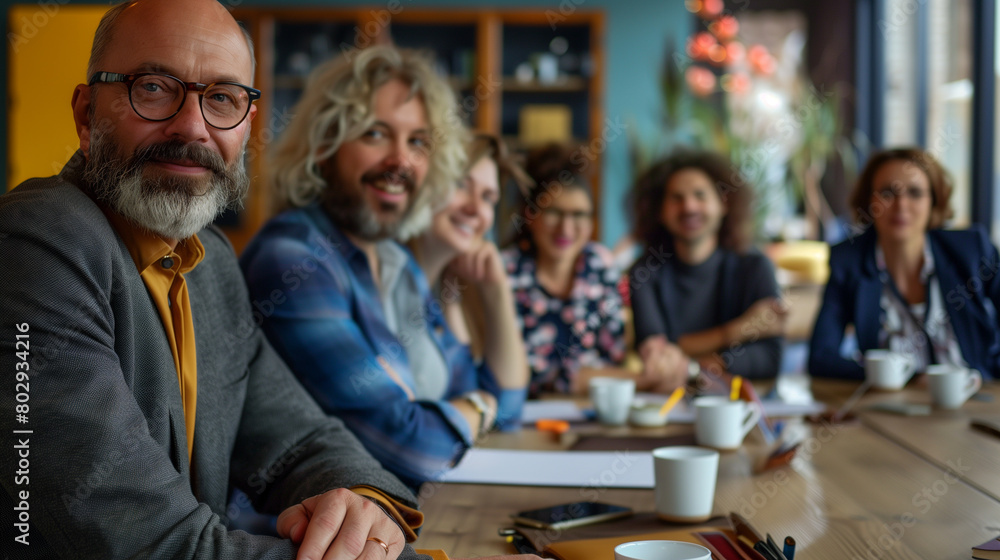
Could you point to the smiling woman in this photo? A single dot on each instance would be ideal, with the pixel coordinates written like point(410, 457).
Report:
point(906, 284)
point(565, 287)
point(465, 269)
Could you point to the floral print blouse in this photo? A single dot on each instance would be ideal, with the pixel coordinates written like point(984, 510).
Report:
point(563, 335)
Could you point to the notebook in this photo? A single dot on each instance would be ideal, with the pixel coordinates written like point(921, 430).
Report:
point(989, 550)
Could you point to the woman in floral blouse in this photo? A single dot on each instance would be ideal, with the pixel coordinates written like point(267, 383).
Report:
point(565, 286)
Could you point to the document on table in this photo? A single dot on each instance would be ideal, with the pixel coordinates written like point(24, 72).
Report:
point(683, 413)
point(581, 469)
point(534, 411)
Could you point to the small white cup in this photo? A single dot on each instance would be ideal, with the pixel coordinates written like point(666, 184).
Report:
point(661, 550)
point(887, 370)
point(685, 482)
point(722, 423)
point(952, 385)
point(612, 399)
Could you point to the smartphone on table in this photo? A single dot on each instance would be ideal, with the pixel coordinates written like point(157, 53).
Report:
point(566, 516)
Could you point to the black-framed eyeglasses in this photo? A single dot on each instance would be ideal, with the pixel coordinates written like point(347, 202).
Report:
point(158, 97)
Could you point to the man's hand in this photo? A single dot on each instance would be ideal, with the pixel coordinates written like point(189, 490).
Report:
point(664, 365)
point(764, 319)
point(336, 525)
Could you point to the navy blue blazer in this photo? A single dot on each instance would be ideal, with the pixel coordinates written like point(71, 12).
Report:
point(966, 264)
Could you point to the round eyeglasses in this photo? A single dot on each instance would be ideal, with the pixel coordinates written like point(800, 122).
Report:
point(158, 97)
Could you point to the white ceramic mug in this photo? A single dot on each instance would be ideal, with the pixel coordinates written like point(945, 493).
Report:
point(722, 423)
point(887, 370)
point(612, 399)
point(661, 550)
point(952, 385)
point(685, 482)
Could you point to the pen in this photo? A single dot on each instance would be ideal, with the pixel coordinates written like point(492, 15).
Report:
point(764, 424)
point(743, 528)
point(789, 548)
point(750, 538)
point(765, 551)
point(672, 401)
point(748, 548)
point(520, 542)
point(773, 547)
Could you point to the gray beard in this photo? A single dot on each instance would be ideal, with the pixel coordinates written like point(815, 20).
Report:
point(175, 207)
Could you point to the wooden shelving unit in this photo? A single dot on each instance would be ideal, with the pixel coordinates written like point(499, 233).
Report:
point(477, 49)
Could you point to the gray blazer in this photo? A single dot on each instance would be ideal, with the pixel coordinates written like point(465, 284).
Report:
point(109, 473)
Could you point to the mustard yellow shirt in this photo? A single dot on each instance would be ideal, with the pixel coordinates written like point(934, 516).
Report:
point(162, 270)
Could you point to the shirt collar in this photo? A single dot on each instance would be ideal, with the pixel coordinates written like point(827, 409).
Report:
point(337, 238)
point(392, 260)
point(926, 271)
point(147, 248)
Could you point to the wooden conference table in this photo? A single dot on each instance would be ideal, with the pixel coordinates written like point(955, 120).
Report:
point(886, 487)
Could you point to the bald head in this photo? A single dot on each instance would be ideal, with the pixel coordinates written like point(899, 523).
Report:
point(196, 19)
point(173, 175)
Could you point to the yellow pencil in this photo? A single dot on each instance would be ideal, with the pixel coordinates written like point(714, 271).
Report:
point(672, 401)
point(734, 392)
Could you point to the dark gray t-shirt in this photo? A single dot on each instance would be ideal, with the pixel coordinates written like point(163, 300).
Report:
point(698, 288)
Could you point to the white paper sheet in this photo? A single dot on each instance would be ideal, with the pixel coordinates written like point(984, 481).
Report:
point(534, 411)
point(581, 469)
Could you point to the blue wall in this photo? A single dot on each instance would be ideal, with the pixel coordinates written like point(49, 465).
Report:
point(637, 31)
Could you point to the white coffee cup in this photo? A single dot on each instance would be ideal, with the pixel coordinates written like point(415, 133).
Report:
point(887, 370)
point(685, 482)
point(661, 550)
point(722, 423)
point(952, 385)
point(612, 399)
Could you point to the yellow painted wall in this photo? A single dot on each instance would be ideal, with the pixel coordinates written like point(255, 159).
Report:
point(48, 58)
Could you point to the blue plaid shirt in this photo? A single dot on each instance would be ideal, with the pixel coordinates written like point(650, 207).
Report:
point(313, 293)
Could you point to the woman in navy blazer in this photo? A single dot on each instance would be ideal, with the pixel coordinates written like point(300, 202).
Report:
point(904, 283)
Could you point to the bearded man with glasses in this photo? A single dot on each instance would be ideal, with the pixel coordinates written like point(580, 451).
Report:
point(137, 409)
